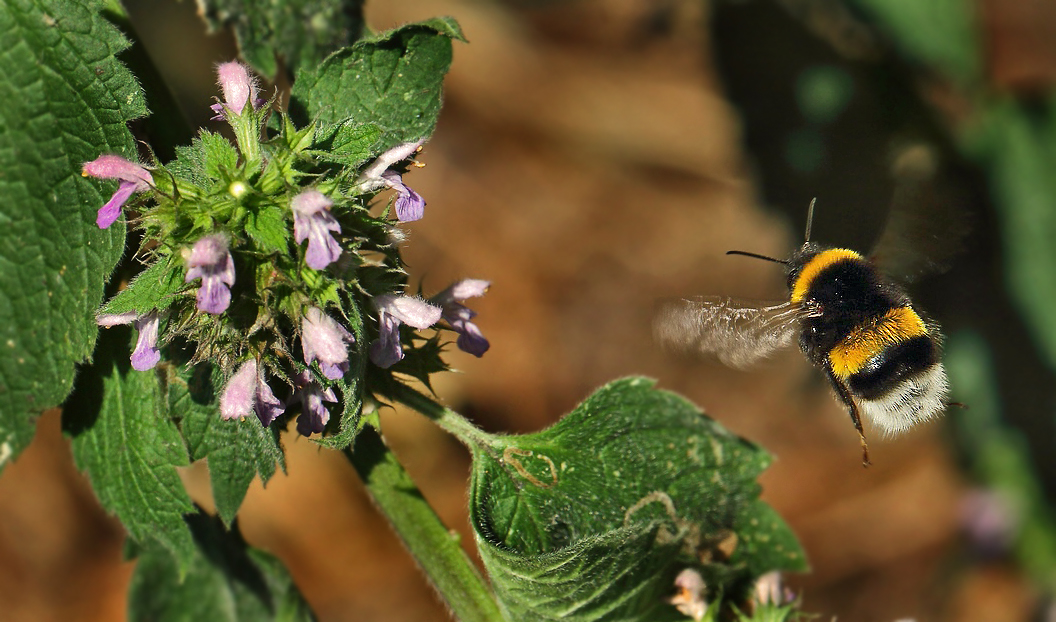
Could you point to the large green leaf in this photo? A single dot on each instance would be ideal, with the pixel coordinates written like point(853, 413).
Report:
point(126, 443)
point(228, 581)
point(593, 518)
point(302, 32)
point(392, 80)
point(66, 101)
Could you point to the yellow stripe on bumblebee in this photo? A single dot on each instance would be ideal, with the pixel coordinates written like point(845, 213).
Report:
point(814, 267)
point(868, 340)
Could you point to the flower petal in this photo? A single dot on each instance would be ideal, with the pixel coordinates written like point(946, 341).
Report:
point(109, 166)
point(409, 310)
point(386, 350)
point(325, 341)
point(211, 261)
point(371, 178)
point(240, 394)
point(471, 340)
point(313, 220)
point(146, 354)
point(267, 406)
point(237, 85)
point(115, 319)
point(109, 212)
point(460, 290)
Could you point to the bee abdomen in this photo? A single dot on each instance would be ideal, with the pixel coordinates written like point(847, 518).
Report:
point(914, 398)
point(891, 365)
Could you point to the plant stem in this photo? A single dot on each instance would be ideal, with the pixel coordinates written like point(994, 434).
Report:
point(433, 546)
point(447, 419)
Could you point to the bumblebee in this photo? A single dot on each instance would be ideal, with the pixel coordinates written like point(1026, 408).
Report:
point(881, 356)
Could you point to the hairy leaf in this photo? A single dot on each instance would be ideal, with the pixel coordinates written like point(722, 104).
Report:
point(392, 80)
point(237, 450)
point(593, 518)
point(66, 101)
point(125, 442)
point(228, 581)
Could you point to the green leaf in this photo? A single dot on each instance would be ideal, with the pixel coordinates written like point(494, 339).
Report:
point(125, 442)
point(148, 291)
point(302, 32)
point(66, 101)
point(346, 143)
point(268, 227)
point(348, 425)
point(219, 156)
point(593, 518)
point(227, 581)
point(940, 33)
point(209, 157)
point(392, 80)
point(1017, 144)
point(237, 450)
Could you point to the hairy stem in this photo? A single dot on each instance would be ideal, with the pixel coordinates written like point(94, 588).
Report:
point(447, 419)
point(434, 547)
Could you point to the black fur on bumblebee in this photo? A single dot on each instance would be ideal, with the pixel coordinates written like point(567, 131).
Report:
point(881, 356)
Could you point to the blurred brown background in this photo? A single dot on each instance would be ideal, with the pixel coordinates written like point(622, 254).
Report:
point(588, 161)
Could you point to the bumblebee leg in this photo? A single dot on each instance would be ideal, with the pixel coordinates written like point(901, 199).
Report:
point(848, 399)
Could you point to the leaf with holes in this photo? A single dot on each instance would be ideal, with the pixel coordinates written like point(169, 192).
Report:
point(593, 518)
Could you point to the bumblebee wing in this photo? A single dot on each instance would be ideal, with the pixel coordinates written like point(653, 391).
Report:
point(738, 334)
point(924, 229)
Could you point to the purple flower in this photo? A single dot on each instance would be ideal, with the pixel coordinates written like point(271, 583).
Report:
point(210, 260)
point(134, 178)
point(470, 339)
point(394, 310)
point(409, 204)
point(991, 521)
point(325, 341)
point(146, 354)
point(312, 219)
point(314, 415)
point(247, 392)
point(238, 87)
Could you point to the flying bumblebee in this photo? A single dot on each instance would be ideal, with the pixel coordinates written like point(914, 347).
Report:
point(881, 356)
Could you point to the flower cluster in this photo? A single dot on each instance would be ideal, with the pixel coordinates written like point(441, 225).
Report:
point(271, 270)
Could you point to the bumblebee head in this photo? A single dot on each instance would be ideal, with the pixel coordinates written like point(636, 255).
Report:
point(800, 258)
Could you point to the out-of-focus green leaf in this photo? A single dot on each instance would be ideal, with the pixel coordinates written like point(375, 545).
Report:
point(1019, 150)
point(942, 34)
point(999, 456)
point(302, 32)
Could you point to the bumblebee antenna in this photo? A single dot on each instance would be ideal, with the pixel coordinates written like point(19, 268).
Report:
point(810, 218)
point(758, 256)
